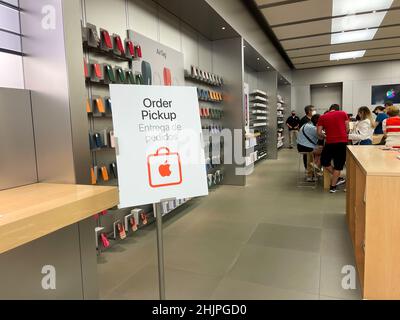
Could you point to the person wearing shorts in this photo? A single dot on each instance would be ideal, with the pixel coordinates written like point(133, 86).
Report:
point(334, 127)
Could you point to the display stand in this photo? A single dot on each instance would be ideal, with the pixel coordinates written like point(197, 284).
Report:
point(160, 246)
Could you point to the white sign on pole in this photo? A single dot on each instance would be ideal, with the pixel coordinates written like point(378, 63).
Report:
point(160, 151)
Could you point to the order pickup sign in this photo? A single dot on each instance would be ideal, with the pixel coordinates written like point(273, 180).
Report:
point(159, 143)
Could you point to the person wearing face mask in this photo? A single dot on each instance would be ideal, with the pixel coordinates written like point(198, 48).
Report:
point(380, 116)
point(293, 123)
point(309, 111)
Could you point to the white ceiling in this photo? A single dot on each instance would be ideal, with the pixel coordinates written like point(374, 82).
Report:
point(304, 30)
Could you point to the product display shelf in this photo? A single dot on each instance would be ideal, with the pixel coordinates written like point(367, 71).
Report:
point(256, 145)
point(280, 122)
point(211, 97)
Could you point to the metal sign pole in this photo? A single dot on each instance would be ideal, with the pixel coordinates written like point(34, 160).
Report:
point(160, 249)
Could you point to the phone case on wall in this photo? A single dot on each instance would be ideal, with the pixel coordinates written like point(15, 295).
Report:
point(98, 140)
point(93, 36)
point(118, 45)
point(97, 73)
point(120, 75)
point(112, 139)
point(129, 49)
point(138, 51)
point(147, 73)
point(130, 77)
point(88, 106)
point(167, 77)
point(105, 138)
point(93, 175)
point(86, 69)
point(108, 105)
point(139, 79)
point(113, 170)
point(105, 42)
point(104, 173)
point(100, 105)
point(109, 72)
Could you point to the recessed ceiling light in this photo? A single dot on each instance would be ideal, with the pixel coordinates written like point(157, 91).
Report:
point(223, 28)
point(347, 55)
point(325, 86)
point(258, 59)
point(353, 36)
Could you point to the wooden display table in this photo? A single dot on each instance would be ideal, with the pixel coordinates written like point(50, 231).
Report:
point(373, 216)
point(51, 226)
point(30, 212)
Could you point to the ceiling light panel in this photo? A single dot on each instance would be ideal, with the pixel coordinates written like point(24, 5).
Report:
point(347, 55)
point(353, 21)
point(362, 21)
point(342, 7)
point(353, 36)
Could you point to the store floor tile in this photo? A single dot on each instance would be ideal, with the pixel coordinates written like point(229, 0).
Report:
point(287, 237)
point(280, 268)
point(336, 243)
point(268, 240)
point(229, 289)
point(180, 285)
point(294, 218)
point(335, 221)
point(335, 278)
point(201, 255)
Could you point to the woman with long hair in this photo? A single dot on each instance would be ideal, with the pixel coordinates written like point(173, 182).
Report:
point(364, 129)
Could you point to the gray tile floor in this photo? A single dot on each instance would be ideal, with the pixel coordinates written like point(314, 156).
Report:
point(269, 240)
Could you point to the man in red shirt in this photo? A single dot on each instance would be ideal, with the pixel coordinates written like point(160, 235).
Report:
point(334, 127)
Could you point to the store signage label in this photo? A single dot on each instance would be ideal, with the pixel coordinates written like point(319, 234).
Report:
point(159, 151)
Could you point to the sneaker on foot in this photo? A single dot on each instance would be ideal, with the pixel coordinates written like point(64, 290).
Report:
point(332, 189)
point(340, 181)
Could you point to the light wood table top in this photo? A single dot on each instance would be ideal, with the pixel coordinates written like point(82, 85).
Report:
point(376, 162)
point(31, 212)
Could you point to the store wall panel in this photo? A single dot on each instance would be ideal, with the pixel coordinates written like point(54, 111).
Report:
point(143, 18)
point(190, 46)
point(110, 15)
point(46, 75)
point(12, 74)
point(228, 62)
point(357, 80)
point(169, 27)
point(18, 161)
point(237, 15)
point(205, 53)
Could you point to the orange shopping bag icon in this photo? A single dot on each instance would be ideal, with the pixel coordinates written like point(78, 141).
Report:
point(164, 168)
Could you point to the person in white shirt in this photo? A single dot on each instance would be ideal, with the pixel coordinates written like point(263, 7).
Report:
point(363, 129)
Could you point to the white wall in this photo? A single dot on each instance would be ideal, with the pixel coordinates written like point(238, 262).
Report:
point(322, 98)
point(237, 15)
point(151, 20)
point(357, 82)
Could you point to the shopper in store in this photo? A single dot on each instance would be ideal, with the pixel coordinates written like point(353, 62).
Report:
point(334, 128)
point(293, 123)
point(391, 127)
point(380, 116)
point(307, 141)
point(363, 129)
point(309, 112)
